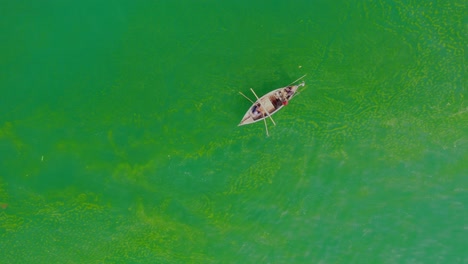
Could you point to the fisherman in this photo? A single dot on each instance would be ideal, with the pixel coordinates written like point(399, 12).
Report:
point(256, 110)
point(289, 91)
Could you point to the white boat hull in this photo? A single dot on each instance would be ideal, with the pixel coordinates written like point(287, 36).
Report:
point(269, 104)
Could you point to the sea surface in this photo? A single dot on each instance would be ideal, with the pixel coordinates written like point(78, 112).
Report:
point(119, 140)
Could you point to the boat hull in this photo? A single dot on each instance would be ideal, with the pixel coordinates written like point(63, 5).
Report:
point(269, 104)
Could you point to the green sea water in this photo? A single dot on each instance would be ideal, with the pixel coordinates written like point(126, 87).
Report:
point(119, 140)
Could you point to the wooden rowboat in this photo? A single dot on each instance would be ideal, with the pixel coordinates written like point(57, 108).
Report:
point(269, 104)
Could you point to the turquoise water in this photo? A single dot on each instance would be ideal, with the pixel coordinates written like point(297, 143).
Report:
point(119, 140)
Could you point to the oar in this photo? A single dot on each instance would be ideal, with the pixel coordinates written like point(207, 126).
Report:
point(298, 79)
point(266, 127)
point(246, 97)
point(264, 108)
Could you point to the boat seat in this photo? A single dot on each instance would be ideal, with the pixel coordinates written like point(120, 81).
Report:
point(268, 105)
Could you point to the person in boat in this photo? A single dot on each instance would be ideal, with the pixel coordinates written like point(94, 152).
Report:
point(286, 94)
point(276, 100)
point(289, 91)
point(256, 109)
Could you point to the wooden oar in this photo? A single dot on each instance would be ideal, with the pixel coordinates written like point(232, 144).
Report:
point(247, 97)
point(266, 128)
point(298, 79)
